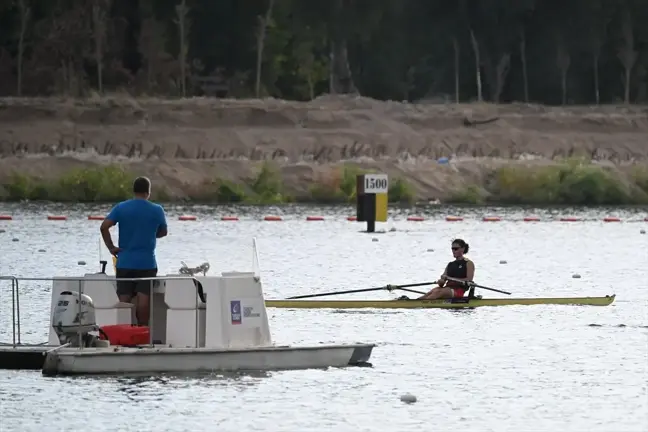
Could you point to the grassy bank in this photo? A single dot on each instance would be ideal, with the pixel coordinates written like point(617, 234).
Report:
point(572, 182)
point(114, 183)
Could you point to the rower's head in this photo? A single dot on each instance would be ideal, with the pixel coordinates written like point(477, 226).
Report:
point(142, 187)
point(459, 248)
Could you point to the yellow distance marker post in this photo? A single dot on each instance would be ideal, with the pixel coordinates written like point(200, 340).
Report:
point(371, 199)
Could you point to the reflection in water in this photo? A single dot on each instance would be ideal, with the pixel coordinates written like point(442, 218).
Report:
point(146, 388)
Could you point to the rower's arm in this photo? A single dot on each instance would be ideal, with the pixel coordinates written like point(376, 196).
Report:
point(470, 271)
point(442, 280)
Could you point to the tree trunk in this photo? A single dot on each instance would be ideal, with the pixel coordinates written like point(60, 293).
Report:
point(597, 92)
point(455, 45)
point(475, 46)
point(503, 67)
point(523, 58)
point(627, 54)
point(342, 78)
point(24, 17)
point(263, 25)
point(628, 75)
point(99, 23)
point(331, 71)
point(563, 61)
point(183, 25)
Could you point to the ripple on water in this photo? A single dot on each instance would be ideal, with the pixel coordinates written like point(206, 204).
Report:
point(515, 368)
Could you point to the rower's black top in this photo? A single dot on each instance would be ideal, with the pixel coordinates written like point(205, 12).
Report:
point(457, 269)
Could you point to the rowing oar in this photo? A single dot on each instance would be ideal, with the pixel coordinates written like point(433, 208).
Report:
point(388, 288)
point(473, 284)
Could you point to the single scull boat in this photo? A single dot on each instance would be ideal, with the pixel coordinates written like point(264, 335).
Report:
point(442, 304)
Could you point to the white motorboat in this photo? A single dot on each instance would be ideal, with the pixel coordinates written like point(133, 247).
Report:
point(197, 324)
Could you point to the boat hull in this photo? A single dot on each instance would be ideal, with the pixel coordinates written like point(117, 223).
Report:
point(146, 360)
point(437, 304)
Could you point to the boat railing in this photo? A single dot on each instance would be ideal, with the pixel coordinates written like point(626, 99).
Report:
point(15, 299)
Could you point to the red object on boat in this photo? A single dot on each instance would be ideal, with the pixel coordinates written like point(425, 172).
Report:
point(126, 334)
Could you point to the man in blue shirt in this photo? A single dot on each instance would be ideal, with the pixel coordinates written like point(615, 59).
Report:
point(140, 223)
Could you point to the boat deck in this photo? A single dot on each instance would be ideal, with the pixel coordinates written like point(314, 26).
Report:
point(23, 356)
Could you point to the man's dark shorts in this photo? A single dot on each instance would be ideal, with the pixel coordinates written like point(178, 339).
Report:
point(130, 288)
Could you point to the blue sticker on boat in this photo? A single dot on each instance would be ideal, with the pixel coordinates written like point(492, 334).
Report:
point(235, 311)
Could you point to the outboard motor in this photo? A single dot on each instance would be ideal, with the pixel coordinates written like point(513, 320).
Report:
point(74, 313)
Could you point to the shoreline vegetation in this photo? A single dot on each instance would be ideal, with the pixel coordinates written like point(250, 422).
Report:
point(565, 182)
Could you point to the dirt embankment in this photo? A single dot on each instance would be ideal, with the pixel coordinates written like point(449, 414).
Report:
point(183, 143)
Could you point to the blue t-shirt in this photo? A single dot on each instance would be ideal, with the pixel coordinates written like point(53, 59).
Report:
point(138, 221)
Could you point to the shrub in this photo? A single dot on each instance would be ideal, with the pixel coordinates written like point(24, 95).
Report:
point(267, 186)
point(400, 191)
point(349, 181)
point(326, 189)
point(103, 184)
point(471, 194)
point(23, 187)
point(570, 182)
point(218, 191)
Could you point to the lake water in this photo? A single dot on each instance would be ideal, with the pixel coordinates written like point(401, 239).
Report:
point(517, 368)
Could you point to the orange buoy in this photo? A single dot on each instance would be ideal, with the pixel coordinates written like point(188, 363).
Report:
point(491, 219)
point(5, 217)
point(415, 219)
point(314, 218)
point(96, 217)
point(570, 219)
point(187, 218)
point(531, 219)
point(272, 218)
point(56, 217)
point(353, 218)
point(229, 218)
point(611, 219)
point(454, 218)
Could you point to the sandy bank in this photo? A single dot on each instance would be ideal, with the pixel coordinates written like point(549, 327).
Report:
point(183, 143)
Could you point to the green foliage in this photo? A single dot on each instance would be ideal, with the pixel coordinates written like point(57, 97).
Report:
point(267, 186)
point(400, 191)
point(104, 184)
point(571, 182)
point(349, 181)
point(22, 187)
point(471, 195)
point(394, 49)
point(337, 187)
point(640, 177)
point(229, 192)
point(219, 191)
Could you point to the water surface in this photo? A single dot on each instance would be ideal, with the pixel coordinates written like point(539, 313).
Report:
point(518, 368)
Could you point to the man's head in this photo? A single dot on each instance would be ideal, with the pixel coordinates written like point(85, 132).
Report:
point(142, 187)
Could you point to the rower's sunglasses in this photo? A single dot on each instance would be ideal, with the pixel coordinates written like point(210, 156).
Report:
point(455, 248)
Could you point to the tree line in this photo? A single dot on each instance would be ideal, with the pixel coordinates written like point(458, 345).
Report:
point(540, 51)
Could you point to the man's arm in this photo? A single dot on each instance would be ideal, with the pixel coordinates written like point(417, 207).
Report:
point(110, 221)
point(162, 228)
